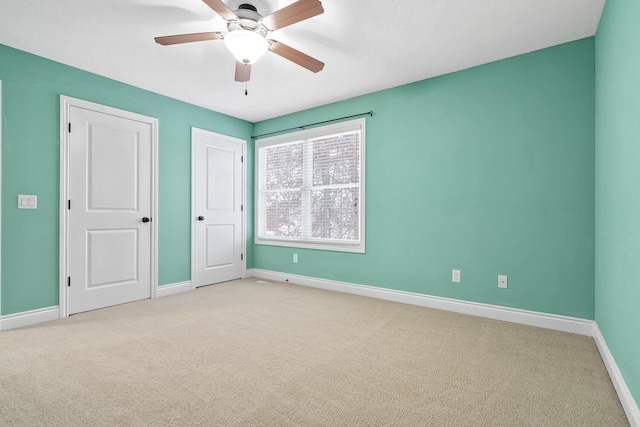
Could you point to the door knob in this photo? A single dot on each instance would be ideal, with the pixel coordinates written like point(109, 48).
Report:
point(200, 218)
point(146, 219)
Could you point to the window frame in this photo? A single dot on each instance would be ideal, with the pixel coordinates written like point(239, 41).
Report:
point(306, 135)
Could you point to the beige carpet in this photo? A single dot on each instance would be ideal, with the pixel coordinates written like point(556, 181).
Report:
point(253, 354)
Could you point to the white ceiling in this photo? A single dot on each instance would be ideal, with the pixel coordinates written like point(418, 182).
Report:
point(367, 45)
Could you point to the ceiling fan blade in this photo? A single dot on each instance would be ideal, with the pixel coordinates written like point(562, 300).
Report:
point(293, 55)
point(295, 12)
point(221, 9)
point(243, 72)
point(187, 38)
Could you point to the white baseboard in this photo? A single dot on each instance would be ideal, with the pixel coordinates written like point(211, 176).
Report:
point(26, 318)
point(624, 394)
point(172, 289)
point(524, 317)
point(514, 315)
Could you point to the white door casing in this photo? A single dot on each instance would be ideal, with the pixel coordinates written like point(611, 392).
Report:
point(1, 119)
point(218, 216)
point(108, 185)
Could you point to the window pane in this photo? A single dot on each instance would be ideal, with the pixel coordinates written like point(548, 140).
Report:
point(282, 166)
point(335, 214)
point(283, 214)
point(310, 188)
point(336, 159)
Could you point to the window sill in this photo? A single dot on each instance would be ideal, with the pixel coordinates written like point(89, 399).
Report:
point(359, 248)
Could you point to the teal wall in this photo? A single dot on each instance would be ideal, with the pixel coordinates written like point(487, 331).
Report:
point(31, 87)
point(489, 170)
point(617, 208)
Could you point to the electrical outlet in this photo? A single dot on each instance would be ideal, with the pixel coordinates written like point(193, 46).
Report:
point(502, 281)
point(455, 276)
point(295, 257)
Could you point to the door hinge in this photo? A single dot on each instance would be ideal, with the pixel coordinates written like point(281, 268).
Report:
point(69, 204)
point(241, 257)
point(68, 280)
point(241, 208)
point(241, 159)
point(69, 127)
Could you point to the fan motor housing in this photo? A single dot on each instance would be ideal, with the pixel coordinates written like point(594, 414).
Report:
point(248, 18)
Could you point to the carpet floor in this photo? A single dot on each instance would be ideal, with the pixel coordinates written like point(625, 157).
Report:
point(252, 353)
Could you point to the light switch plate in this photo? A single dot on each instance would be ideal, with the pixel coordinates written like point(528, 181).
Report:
point(27, 201)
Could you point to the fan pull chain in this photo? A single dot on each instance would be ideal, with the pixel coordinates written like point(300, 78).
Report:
point(246, 92)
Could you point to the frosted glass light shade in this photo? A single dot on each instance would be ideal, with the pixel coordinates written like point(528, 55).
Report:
point(246, 46)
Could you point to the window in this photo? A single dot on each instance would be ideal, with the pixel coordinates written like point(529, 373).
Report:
point(310, 188)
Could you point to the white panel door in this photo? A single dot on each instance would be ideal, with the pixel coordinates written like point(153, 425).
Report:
point(218, 192)
point(109, 213)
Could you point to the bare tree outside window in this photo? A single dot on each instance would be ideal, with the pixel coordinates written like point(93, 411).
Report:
point(336, 179)
point(310, 189)
point(283, 192)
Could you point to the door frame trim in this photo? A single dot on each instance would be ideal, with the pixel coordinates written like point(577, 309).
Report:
point(66, 103)
point(1, 120)
point(243, 143)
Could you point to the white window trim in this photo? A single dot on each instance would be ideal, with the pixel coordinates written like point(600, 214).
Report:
point(304, 135)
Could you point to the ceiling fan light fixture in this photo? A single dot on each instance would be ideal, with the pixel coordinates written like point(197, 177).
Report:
point(246, 46)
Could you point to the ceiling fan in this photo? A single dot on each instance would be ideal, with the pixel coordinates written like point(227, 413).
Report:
point(248, 30)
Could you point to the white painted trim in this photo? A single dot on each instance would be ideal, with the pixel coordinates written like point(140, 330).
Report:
point(193, 208)
point(155, 148)
point(66, 103)
point(307, 242)
point(243, 144)
point(624, 394)
point(513, 315)
point(26, 318)
point(245, 161)
point(1, 120)
point(174, 288)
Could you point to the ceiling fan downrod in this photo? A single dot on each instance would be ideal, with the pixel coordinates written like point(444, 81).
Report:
point(247, 18)
point(247, 6)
